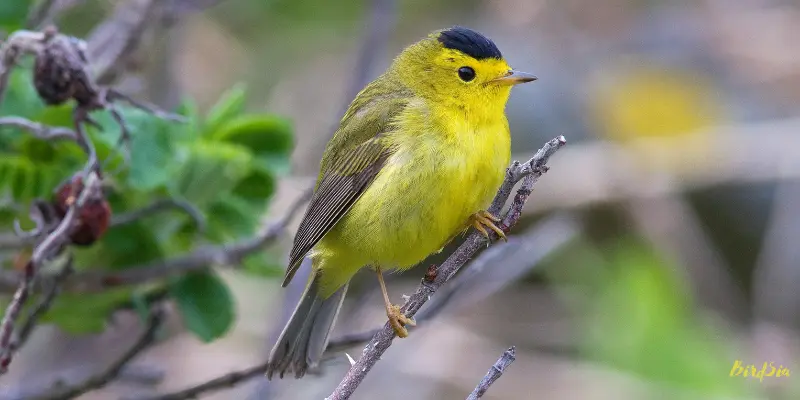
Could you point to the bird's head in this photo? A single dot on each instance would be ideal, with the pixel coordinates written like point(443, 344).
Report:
point(459, 67)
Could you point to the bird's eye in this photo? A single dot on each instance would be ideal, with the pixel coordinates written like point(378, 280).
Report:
point(466, 74)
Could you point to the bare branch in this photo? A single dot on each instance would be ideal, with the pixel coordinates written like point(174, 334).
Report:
point(529, 172)
point(225, 381)
point(113, 42)
point(518, 256)
point(49, 247)
point(19, 43)
point(113, 95)
point(494, 373)
point(98, 279)
point(44, 305)
point(41, 14)
point(160, 206)
point(38, 130)
point(111, 373)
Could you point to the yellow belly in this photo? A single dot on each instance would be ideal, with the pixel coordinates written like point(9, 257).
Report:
point(422, 197)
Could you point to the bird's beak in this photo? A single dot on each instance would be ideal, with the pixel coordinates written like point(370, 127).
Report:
point(513, 77)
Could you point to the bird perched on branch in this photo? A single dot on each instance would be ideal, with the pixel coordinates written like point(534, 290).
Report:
point(418, 155)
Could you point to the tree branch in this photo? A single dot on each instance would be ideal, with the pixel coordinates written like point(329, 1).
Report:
point(518, 256)
point(530, 173)
point(44, 305)
point(49, 247)
point(98, 279)
point(160, 206)
point(225, 381)
point(111, 373)
point(38, 130)
point(494, 373)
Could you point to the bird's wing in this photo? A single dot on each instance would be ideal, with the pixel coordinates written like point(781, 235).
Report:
point(352, 160)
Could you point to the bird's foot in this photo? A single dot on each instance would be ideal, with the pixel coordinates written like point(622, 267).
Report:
point(484, 219)
point(398, 320)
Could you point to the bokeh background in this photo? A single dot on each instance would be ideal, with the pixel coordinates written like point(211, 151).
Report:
point(661, 247)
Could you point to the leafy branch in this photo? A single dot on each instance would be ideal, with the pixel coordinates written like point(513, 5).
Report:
point(219, 170)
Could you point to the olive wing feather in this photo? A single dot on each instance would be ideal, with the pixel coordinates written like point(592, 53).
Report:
point(352, 160)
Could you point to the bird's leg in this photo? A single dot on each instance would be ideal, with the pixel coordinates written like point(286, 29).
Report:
point(396, 318)
point(484, 219)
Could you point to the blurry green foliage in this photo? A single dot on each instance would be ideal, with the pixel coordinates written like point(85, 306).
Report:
point(641, 319)
point(225, 164)
point(13, 14)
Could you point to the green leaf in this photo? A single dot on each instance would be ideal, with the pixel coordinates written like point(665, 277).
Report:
point(151, 147)
point(57, 115)
point(13, 14)
point(21, 98)
point(231, 218)
point(267, 136)
point(257, 189)
point(230, 104)
point(210, 169)
point(205, 303)
point(263, 265)
point(36, 149)
point(121, 247)
point(189, 109)
point(18, 178)
point(85, 313)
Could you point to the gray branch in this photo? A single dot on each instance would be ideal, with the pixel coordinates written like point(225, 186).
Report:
point(529, 173)
point(109, 374)
point(494, 373)
point(97, 279)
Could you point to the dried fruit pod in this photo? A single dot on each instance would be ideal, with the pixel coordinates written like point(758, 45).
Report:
point(94, 217)
point(60, 72)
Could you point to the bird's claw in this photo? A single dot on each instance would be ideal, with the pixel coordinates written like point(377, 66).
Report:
point(484, 219)
point(398, 320)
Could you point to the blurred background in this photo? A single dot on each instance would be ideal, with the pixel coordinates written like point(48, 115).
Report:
point(661, 247)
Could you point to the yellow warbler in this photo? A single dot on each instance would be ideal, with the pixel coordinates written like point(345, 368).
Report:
point(418, 155)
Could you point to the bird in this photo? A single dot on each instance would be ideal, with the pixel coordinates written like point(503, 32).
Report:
point(418, 155)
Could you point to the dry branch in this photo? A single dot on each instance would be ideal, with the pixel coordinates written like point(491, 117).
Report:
point(110, 373)
point(60, 74)
point(48, 248)
point(161, 206)
point(529, 173)
point(494, 373)
point(97, 279)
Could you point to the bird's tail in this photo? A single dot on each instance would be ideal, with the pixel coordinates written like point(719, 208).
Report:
point(306, 335)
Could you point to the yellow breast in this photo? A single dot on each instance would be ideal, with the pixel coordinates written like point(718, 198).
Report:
point(442, 170)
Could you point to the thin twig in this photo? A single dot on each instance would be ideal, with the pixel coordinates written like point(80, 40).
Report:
point(19, 43)
point(529, 172)
point(50, 246)
point(160, 206)
point(113, 95)
point(518, 256)
point(113, 42)
point(110, 373)
point(225, 381)
point(41, 14)
point(494, 373)
point(44, 305)
point(38, 130)
point(98, 278)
